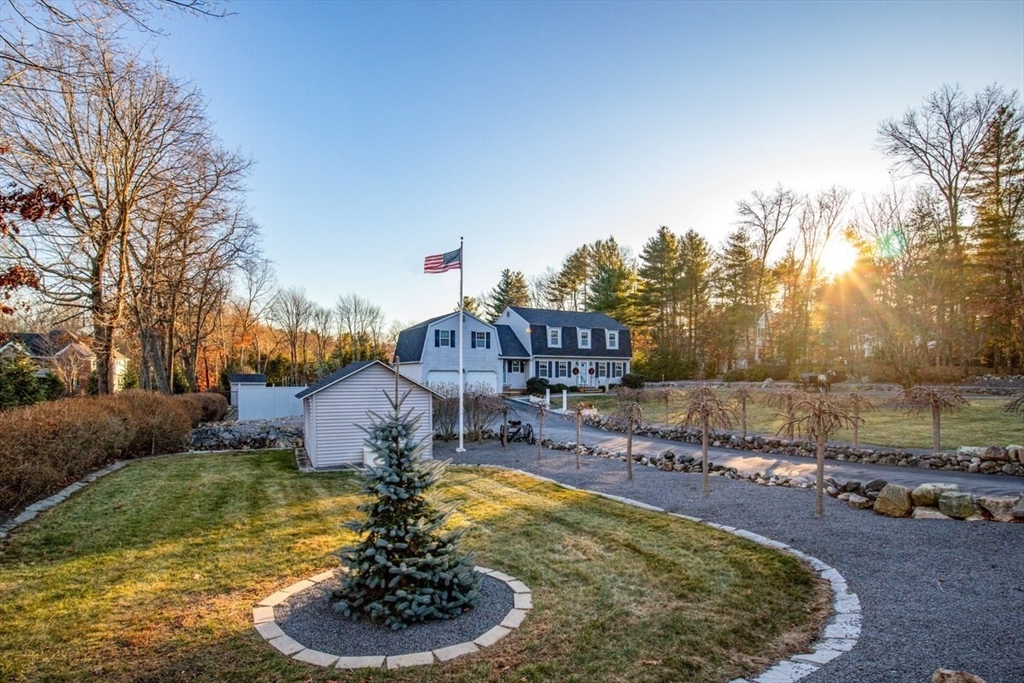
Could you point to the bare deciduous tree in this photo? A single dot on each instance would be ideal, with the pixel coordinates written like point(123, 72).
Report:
point(628, 415)
point(858, 403)
point(291, 312)
point(705, 409)
point(936, 400)
point(579, 410)
point(819, 416)
point(743, 395)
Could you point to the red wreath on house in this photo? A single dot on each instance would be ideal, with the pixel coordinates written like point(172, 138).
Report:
point(575, 371)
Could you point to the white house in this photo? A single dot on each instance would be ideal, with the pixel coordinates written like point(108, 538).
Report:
point(583, 349)
point(567, 347)
point(334, 408)
point(62, 354)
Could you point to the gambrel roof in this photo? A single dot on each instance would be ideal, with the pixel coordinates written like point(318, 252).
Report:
point(586, 320)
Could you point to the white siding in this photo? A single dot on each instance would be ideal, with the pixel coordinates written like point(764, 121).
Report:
point(446, 358)
point(413, 371)
point(519, 326)
point(335, 437)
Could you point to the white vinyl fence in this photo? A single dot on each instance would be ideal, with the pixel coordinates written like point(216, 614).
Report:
point(261, 403)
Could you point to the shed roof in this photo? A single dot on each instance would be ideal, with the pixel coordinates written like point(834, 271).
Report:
point(348, 371)
point(252, 378)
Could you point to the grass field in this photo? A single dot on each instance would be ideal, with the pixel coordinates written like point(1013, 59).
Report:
point(151, 575)
point(983, 423)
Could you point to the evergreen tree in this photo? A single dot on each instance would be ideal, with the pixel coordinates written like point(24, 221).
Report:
point(405, 569)
point(695, 263)
point(735, 288)
point(511, 290)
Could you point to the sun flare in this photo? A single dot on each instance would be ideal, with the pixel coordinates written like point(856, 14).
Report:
point(839, 257)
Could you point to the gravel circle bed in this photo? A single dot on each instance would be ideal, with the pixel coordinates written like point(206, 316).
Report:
point(933, 593)
point(309, 618)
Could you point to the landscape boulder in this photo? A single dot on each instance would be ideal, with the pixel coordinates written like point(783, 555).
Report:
point(956, 504)
point(894, 501)
point(949, 676)
point(1000, 507)
point(928, 513)
point(858, 502)
point(928, 494)
point(994, 453)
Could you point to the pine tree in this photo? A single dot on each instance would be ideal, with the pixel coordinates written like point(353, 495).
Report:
point(511, 290)
point(405, 569)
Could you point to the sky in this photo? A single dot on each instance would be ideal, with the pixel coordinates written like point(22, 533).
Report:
point(383, 132)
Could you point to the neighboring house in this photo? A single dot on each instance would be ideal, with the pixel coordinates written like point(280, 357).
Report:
point(582, 349)
point(335, 408)
point(62, 354)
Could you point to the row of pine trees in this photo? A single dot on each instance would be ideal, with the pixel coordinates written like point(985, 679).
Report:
point(937, 288)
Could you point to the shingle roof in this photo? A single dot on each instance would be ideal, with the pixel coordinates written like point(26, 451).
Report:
point(541, 316)
point(347, 371)
point(511, 347)
point(409, 347)
point(41, 344)
point(251, 378)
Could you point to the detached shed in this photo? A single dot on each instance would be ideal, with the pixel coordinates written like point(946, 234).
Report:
point(250, 380)
point(334, 408)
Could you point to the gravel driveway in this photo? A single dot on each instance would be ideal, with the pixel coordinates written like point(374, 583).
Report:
point(933, 593)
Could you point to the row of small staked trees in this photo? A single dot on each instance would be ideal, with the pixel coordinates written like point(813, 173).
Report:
point(815, 416)
point(938, 281)
point(151, 222)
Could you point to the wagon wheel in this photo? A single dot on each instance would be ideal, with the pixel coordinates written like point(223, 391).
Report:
point(528, 435)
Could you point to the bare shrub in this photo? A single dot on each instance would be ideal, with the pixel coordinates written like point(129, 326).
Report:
point(46, 446)
point(446, 410)
point(483, 408)
point(204, 407)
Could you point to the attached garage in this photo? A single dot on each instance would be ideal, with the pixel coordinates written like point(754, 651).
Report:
point(334, 408)
point(489, 379)
point(436, 378)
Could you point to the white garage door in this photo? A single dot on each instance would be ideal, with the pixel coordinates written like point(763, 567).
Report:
point(489, 379)
point(438, 378)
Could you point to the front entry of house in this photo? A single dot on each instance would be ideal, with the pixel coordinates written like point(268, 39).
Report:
point(514, 374)
point(585, 373)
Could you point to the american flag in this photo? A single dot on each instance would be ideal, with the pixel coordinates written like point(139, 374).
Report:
point(441, 263)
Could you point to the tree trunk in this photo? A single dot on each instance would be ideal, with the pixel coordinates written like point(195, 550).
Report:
point(856, 425)
point(629, 450)
point(936, 442)
point(744, 404)
point(819, 485)
point(540, 434)
point(579, 423)
point(705, 483)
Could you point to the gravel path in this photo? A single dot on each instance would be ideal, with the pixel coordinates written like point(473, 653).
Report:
point(309, 618)
point(933, 593)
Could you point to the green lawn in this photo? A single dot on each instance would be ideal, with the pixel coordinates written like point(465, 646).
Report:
point(151, 575)
point(983, 423)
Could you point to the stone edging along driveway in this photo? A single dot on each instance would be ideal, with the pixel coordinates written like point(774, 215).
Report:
point(839, 636)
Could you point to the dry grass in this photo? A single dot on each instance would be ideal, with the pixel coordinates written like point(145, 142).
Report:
point(151, 574)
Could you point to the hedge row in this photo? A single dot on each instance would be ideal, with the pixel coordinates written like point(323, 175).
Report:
point(46, 446)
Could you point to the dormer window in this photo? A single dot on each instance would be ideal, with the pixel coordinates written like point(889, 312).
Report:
point(555, 337)
point(613, 338)
point(583, 338)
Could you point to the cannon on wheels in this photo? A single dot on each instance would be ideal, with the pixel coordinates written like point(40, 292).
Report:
point(517, 431)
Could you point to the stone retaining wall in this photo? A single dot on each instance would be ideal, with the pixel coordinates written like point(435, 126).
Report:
point(986, 460)
point(248, 435)
point(928, 501)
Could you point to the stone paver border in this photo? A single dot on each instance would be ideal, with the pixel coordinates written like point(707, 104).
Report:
point(840, 634)
point(270, 630)
point(33, 510)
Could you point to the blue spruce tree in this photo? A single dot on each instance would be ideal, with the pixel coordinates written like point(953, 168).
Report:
point(405, 569)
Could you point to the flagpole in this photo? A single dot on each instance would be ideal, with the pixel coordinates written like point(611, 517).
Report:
point(462, 343)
